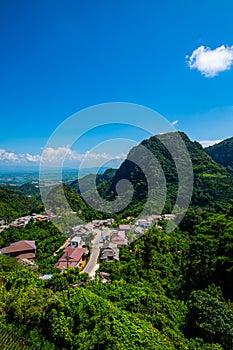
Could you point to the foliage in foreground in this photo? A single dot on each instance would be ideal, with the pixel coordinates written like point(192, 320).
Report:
point(168, 291)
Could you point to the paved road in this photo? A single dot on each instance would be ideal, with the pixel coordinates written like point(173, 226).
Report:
point(92, 265)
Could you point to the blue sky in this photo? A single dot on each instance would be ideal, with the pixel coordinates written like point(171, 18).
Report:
point(58, 57)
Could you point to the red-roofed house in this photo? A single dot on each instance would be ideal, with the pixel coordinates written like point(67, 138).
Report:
point(125, 228)
point(119, 238)
point(21, 250)
point(72, 257)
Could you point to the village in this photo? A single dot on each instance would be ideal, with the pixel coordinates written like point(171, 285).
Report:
point(87, 244)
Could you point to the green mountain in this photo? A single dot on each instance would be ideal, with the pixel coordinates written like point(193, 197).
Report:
point(101, 181)
point(222, 153)
point(29, 189)
point(13, 205)
point(90, 188)
point(212, 183)
point(212, 190)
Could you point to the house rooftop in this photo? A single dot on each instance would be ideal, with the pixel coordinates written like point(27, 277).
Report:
point(73, 255)
point(76, 239)
point(109, 245)
point(106, 253)
point(124, 227)
point(28, 256)
point(19, 246)
point(119, 241)
point(169, 216)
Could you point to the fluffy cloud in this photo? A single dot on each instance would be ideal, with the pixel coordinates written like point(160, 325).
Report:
point(207, 143)
point(56, 155)
point(53, 157)
point(17, 158)
point(211, 62)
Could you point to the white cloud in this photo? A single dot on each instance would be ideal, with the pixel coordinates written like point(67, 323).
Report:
point(53, 157)
point(7, 157)
point(175, 122)
point(207, 143)
point(211, 62)
point(32, 158)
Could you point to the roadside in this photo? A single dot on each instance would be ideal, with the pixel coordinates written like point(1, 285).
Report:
point(92, 264)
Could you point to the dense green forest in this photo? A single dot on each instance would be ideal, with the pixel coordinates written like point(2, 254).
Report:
point(213, 185)
point(222, 153)
point(29, 189)
point(13, 205)
point(86, 181)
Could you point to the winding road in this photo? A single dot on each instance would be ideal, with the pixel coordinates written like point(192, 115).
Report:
point(92, 264)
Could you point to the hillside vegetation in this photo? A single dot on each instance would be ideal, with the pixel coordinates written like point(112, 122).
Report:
point(13, 205)
point(213, 185)
point(222, 153)
point(168, 291)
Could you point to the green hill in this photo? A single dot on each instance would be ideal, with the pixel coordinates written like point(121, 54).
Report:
point(212, 190)
point(29, 189)
point(222, 153)
point(101, 180)
point(212, 183)
point(13, 205)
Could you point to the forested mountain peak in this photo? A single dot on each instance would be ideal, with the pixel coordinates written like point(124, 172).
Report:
point(222, 153)
point(212, 184)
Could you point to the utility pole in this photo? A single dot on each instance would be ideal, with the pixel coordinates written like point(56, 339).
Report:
point(67, 259)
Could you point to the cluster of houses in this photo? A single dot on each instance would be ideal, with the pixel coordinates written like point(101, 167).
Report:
point(148, 221)
point(21, 222)
point(77, 246)
point(112, 241)
point(80, 235)
point(119, 237)
point(145, 223)
point(25, 251)
point(24, 220)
